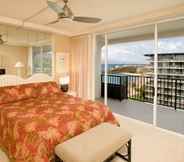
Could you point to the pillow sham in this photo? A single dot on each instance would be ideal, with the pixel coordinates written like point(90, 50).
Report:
point(46, 88)
point(15, 93)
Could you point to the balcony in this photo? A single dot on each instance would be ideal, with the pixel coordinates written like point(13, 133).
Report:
point(132, 96)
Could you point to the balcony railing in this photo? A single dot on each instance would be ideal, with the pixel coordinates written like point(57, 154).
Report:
point(141, 88)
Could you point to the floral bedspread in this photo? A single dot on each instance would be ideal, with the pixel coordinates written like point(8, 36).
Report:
point(31, 128)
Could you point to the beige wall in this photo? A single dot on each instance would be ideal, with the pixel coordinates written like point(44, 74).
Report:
point(82, 66)
point(61, 47)
point(62, 43)
point(9, 55)
point(77, 55)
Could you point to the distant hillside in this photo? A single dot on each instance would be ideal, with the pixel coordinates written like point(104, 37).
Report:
point(111, 66)
point(129, 69)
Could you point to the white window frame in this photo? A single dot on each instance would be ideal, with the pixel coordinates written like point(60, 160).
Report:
point(155, 60)
point(31, 50)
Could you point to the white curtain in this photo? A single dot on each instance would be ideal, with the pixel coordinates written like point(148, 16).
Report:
point(81, 66)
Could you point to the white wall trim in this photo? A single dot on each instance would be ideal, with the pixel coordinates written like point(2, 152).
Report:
point(155, 75)
point(33, 26)
point(106, 70)
point(93, 66)
point(30, 61)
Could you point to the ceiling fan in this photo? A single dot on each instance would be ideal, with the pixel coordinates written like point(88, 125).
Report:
point(1, 40)
point(66, 13)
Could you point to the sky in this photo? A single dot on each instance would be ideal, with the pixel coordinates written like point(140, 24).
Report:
point(133, 52)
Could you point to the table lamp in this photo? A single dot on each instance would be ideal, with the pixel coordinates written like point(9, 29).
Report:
point(18, 67)
point(64, 83)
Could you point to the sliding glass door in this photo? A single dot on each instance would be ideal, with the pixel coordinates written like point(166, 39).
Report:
point(170, 112)
point(140, 73)
point(99, 68)
point(123, 72)
point(130, 81)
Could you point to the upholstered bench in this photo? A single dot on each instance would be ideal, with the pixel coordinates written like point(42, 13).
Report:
point(95, 145)
point(3, 157)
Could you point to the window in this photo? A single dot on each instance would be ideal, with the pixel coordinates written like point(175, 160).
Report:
point(126, 73)
point(42, 60)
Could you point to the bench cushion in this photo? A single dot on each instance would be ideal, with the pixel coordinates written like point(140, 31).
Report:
point(94, 145)
point(3, 157)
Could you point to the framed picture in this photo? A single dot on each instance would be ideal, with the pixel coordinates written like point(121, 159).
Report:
point(62, 63)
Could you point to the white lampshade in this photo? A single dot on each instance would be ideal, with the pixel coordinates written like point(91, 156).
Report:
point(64, 80)
point(19, 64)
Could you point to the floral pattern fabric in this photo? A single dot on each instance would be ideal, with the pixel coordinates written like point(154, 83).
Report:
point(25, 91)
point(31, 128)
point(47, 88)
point(16, 93)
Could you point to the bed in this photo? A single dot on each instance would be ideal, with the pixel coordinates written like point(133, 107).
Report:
point(35, 116)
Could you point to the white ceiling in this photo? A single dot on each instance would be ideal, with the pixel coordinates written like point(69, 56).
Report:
point(108, 10)
point(166, 27)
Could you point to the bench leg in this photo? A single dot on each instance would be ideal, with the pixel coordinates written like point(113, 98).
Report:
point(128, 156)
point(57, 159)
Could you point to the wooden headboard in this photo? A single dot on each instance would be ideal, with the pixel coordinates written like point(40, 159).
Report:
point(8, 80)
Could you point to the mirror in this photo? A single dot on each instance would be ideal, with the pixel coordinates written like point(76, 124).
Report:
point(24, 52)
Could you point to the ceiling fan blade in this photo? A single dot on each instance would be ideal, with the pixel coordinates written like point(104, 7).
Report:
point(53, 22)
point(55, 7)
point(86, 19)
point(2, 42)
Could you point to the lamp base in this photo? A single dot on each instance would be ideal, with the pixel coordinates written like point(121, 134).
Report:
point(64, 88)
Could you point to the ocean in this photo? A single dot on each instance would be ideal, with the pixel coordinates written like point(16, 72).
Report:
point(110, 66)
